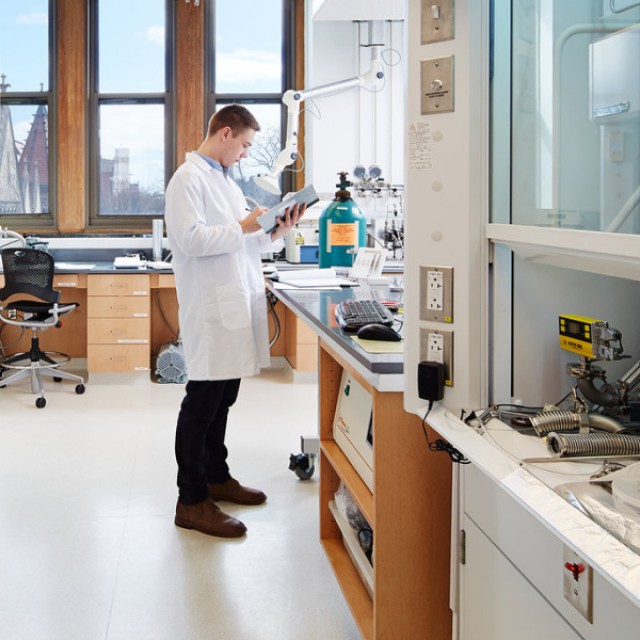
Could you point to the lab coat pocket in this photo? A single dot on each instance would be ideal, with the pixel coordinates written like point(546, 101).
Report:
point(233, 307)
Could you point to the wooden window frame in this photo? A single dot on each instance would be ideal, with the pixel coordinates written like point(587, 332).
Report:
point(41, 221)
point(69, 138)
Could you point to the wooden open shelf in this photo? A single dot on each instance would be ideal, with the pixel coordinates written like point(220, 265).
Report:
point(409, 512)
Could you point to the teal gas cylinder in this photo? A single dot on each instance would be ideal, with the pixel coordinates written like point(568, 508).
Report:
point(343, 229)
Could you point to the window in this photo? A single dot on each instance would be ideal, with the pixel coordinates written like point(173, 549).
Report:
point(250, 48)
point(130, 109)
point(26, 90)
point(573, 115)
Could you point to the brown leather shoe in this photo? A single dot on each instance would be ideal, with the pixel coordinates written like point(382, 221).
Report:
point(233, 491)
point(207, 517)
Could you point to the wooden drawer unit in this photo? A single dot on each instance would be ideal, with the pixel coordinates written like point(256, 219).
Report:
point(117, 307)
point(118, 331)
point(119, 284)
point(118, 322)
point(108, 358)
point(66, 280)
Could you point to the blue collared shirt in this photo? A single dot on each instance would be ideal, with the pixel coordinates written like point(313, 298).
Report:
point(214, 164)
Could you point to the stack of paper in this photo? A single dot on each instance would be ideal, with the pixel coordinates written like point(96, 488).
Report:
point(311, 278)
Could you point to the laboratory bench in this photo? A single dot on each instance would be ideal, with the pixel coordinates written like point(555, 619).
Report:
point(521, 534)
point(124, 316)
point(305, 314)
point(405, 592)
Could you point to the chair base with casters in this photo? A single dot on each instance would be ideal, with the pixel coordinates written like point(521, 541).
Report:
point(38, 364)
point(29, 272)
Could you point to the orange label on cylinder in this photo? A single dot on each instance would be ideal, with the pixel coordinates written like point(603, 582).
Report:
point(342, 235)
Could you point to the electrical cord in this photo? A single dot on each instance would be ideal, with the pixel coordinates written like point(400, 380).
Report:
point(164, 316)
point(271, 301)
point(442, 445)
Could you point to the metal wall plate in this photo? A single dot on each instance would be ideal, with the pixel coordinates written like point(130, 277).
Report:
point(578, 583)
point(436, 21)
point(436, 83)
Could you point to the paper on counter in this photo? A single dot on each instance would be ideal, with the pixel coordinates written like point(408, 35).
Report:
point(75, 266)
point(311, 278)
point(380, 346)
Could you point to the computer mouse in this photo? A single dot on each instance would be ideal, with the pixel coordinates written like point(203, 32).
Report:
point(377, 331)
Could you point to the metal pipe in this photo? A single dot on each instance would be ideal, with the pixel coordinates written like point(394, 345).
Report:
point(567, 445)
point(595, 395)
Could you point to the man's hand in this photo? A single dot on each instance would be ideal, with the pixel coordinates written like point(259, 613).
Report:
point(250, 223)
point(291, 218)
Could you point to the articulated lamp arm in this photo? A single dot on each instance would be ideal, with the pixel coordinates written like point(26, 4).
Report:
point(292, 100)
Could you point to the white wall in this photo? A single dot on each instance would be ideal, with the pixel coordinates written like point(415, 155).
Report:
point(446, 202)
point(355, 126)
point(542, 293)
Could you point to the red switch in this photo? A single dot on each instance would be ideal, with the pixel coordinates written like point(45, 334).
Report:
point(575, 568)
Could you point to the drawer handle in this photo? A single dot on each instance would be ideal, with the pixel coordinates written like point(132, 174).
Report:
point(140, 293)
point(141, 368)
point(140, 315)
point(118, 358)
point(65, 284)
point(131, 341)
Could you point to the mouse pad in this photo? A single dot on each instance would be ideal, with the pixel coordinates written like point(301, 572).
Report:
point(379, 346)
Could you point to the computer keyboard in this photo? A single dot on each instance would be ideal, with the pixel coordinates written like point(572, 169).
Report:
point(353, 314)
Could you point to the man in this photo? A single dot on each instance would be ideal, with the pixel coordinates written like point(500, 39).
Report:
point(216, 250)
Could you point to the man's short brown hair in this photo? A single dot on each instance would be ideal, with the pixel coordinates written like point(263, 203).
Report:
point(234, 116)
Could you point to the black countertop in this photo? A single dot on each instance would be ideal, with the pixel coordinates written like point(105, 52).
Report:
point(316, 308)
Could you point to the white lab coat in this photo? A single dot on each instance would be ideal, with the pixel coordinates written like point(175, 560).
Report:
point(218, 271)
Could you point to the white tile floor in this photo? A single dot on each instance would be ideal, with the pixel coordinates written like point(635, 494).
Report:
point(88, 548)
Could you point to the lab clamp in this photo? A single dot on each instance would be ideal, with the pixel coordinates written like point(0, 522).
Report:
point(382, 203)
point(594, 341)
point(604, 418)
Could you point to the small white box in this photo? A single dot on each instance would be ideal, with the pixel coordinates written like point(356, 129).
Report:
point(352, 426)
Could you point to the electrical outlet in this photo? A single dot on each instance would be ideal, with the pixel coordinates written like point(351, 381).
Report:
point(435, 284)
point(436, 345)
point(436, 293)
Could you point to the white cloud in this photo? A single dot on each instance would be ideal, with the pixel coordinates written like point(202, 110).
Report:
point(153, 34)
point(139, 129)
point(242, 66)
point(35, 17)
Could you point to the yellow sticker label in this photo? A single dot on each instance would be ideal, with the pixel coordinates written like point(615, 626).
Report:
point(343, 235)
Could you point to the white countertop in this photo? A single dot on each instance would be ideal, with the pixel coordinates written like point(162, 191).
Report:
point(499, 451)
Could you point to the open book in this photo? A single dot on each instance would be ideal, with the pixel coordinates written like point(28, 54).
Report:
point(306, 196)
point(311, 278)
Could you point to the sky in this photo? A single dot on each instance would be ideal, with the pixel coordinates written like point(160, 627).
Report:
point(132, 60)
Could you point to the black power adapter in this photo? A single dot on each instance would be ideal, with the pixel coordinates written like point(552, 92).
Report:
point(431, 381)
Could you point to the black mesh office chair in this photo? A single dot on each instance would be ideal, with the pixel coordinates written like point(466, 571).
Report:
point(29, 272)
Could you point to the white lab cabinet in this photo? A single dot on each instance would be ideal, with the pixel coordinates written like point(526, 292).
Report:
point(511, 582)
point(523, 218)
point(498, 600)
